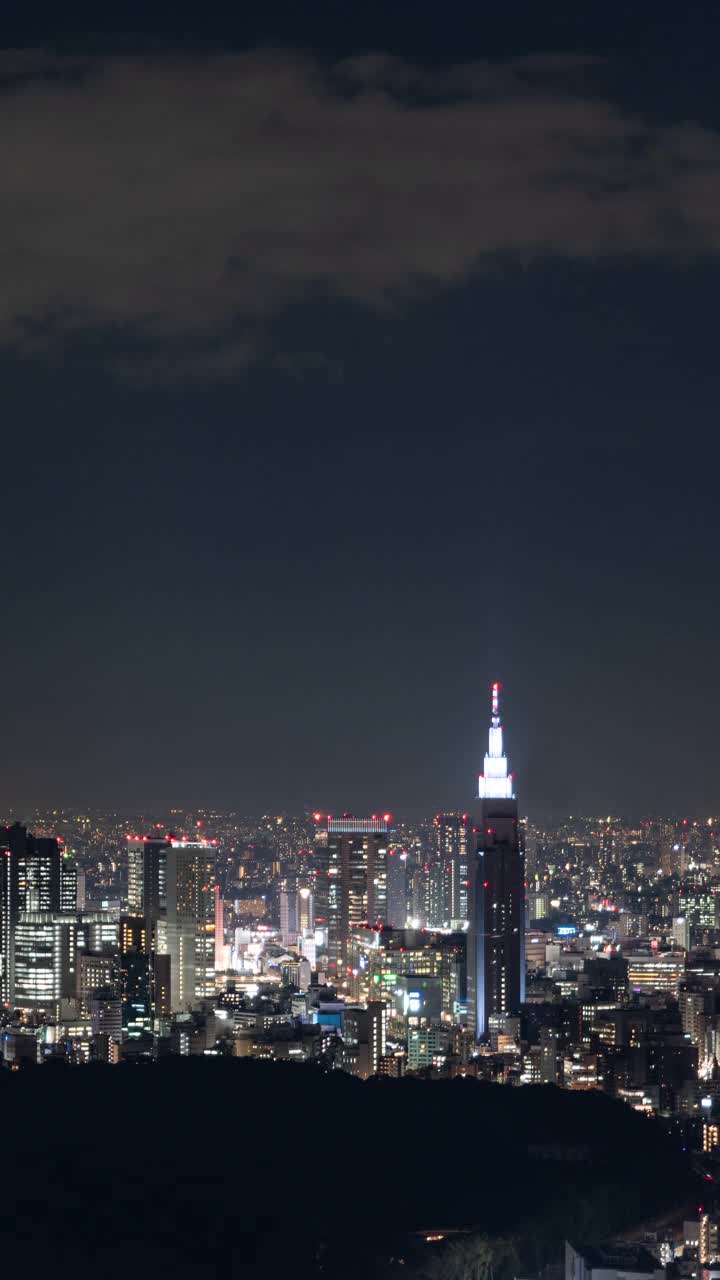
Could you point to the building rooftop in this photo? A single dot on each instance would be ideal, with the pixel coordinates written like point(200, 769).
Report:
point(619, 1257)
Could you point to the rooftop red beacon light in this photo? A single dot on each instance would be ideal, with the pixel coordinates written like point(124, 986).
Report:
point(495, 697)
point(387, 817)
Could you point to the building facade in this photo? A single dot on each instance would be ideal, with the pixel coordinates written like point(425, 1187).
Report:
point(351, 856)
point(496, 905)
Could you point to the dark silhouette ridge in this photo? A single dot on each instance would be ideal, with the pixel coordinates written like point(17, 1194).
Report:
point(193, 1163)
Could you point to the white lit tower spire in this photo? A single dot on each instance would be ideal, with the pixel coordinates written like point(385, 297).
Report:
point(495, 782)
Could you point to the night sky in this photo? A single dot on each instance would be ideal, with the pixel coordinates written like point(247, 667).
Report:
point(351, 357)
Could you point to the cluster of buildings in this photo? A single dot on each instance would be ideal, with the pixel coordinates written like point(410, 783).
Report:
point(95, 983)
point(585, 954)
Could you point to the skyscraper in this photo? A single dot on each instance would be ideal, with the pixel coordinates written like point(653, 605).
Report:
point(305, 909)
point(397, 910)
point(496, 904)
point(171, 888)
point(190, 926)
point(297, 912)
point(288, 915)
point(30, 883)
point(448, 872)
point(135, 977)
point(351, 856)
point(44, 956)
point(147, 869)
point(219, 908)
point(68, 882)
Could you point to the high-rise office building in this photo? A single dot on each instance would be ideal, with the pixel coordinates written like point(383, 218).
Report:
point(288, 915)
point(30, 883)
point(135, 977)
point(44, 960)
point(496, 904)
point(68, 883)
point(297, 912)
point(397, 895)
point(171, 886)
point(147, 871)
point(449, 870)
point(219, 908)
point(144, 942)
point(190, 921)
point(351, 857)
point(305, 910)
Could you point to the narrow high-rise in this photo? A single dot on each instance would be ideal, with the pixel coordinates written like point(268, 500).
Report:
point(351, 859)
point(447, 872)
point(190, 921)
point(496, 892)
point(147, 873)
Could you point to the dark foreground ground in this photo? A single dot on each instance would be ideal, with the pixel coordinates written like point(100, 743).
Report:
point(208, 1167)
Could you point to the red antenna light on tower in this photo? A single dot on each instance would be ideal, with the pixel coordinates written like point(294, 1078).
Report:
point(495, 698)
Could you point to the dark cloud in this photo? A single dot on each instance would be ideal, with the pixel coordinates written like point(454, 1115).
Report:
point(180, 198)
point(178, 360)
point(477, 79)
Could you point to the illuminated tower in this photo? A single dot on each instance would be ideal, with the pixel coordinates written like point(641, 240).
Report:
point(495, 783)
point(496, 892)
